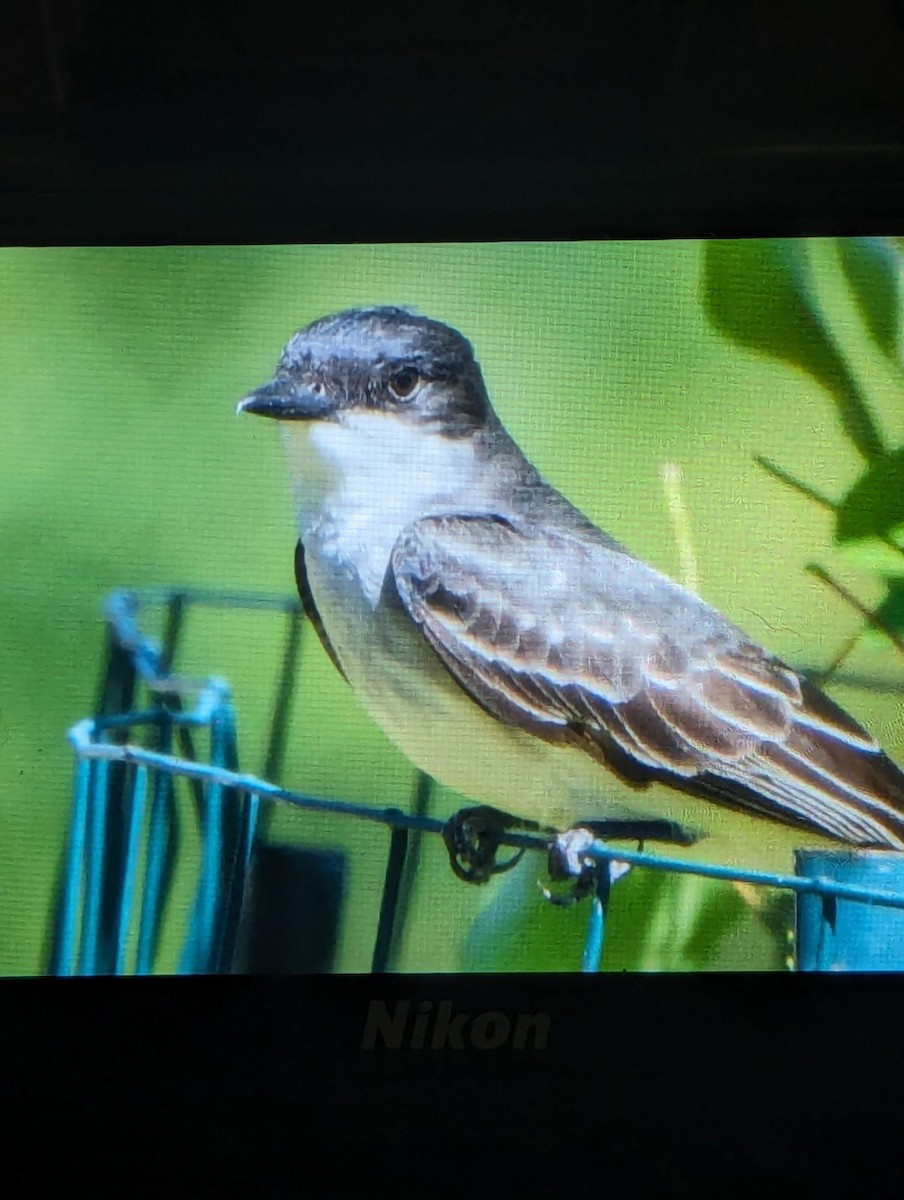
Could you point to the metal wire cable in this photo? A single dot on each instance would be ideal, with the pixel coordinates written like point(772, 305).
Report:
point(91, 936)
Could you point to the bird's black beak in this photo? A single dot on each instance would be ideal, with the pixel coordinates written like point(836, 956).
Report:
point(285, 401)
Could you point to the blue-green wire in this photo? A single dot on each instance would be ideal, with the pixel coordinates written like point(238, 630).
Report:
point(130, 870)
point(250, 813)
point(200, 952)
point(66, 944)
point(249, 810)
point(94, 870)
point(156, 874)
point(596, 926)
point(596, 932)
point(244, 813)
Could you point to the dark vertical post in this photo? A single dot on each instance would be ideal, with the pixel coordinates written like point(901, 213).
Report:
point(392, 881)
point(836, 934)
point(293, 913)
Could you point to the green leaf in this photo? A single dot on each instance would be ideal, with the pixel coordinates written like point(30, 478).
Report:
point(873, 555)
point(871, 268)
point(755, 292)
point(875, 504)
point(890, 612)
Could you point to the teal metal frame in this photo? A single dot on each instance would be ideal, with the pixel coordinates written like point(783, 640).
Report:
point(849, 913)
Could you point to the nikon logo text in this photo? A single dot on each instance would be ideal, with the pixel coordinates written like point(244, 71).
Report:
point(429, 1026)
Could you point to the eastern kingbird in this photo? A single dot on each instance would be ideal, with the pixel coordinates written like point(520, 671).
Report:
point(510, 648)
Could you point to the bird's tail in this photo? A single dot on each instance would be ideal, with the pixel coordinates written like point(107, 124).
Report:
point(829, 775)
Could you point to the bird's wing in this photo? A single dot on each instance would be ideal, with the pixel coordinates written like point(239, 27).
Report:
point(310, 607)
point(572, 640)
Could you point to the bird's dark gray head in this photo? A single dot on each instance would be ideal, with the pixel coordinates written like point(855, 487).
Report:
point(382, 358)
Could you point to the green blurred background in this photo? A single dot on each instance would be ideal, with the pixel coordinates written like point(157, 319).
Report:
point(122, 463)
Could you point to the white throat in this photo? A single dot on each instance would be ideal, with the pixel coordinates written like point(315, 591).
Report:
point(357, 482)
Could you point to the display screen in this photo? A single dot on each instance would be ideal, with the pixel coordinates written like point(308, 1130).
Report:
point(729, 412)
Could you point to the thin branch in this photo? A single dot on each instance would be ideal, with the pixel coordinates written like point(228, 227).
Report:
point(795, 484)
point(817, 497)
point(840, 658)
point(868, 615)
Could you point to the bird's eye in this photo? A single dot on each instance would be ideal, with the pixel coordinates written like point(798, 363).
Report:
point(404, 382)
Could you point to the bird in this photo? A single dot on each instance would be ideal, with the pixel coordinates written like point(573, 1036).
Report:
point(519, 654)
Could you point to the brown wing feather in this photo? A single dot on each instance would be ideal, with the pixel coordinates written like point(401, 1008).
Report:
point(576, 641)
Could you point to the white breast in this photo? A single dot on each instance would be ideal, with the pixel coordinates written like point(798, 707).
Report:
point(357, 482)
